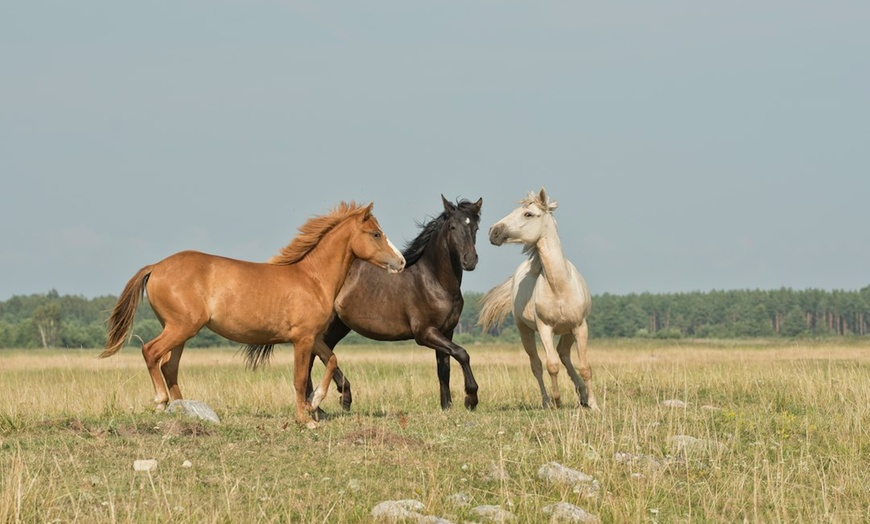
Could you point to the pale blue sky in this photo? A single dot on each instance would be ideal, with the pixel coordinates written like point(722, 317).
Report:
point(691, 145)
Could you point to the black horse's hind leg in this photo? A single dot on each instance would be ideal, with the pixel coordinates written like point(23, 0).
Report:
point(434, 339)
point(443, 362)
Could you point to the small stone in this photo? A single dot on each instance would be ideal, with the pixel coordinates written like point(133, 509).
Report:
point(396, 510)
point(459, 500)
point(193, 408)
point(565, 512)
point(494, 514)
point(556, 473)
point(496, 473)
point(144, 465)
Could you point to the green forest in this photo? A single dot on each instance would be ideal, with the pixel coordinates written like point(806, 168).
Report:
point(52, 320)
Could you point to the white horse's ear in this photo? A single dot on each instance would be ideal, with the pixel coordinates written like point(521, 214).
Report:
point(548, 204)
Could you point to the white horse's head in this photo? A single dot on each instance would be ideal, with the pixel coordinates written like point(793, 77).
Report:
point(527, 223)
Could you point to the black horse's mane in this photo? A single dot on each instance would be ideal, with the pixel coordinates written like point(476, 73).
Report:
point(414, 249)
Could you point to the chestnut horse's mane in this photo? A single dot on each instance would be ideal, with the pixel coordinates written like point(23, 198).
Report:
point(312, 231)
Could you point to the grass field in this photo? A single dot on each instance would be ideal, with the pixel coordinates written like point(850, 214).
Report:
point(784, 430)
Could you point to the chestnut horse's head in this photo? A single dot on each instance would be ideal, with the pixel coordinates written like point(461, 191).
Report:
point(369, 243)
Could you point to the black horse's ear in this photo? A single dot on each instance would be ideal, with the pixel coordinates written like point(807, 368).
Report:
point(448, 206)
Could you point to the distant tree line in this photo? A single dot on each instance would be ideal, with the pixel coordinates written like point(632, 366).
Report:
point(52, 320)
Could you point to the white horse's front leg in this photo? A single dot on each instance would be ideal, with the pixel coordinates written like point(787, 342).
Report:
point(528, 338)
point(546, 332)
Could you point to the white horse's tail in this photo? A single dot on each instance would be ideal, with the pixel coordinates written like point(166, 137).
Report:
point(496, 305)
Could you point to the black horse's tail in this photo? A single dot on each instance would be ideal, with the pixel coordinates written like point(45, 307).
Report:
point(257, 354)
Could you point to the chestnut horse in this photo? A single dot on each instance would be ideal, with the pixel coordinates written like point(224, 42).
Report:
point(288, 299)
point(423, 303)
point(546, 294)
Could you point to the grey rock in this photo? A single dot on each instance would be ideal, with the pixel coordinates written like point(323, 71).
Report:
point(193, 408)
point(144, 465)
point(565, 512)
point(459, 500)
point(556, 473)
point(494, 514)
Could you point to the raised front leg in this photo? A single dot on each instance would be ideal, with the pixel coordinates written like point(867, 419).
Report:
point(434, 339)
point(324, 352)
point(546, 332)
point(527, 336)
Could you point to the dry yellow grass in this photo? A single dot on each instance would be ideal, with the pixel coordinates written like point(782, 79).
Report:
point(787, 440)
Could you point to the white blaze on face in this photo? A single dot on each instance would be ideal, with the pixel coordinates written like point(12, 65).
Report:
point(398, 255)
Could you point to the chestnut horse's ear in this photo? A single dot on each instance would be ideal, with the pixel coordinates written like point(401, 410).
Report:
point(448, 206)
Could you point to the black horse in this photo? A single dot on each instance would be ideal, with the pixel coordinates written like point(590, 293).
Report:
point(422, 303)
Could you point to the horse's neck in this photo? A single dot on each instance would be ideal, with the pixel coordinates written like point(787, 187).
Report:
point(329, 261)
point(447, 268)
point(554, 265)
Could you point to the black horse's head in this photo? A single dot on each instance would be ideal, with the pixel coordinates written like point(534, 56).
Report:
point(460, 227)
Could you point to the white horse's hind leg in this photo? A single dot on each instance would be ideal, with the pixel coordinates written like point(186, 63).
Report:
point(528, 338)
point(581, 334)
point(564, 349)
point(546, 332)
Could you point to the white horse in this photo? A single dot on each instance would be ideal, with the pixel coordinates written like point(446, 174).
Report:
point(546, 294)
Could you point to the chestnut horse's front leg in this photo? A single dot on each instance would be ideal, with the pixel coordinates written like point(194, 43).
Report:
point(325, 354)
point(302, 352)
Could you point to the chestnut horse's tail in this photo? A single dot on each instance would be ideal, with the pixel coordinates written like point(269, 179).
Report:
point(496, 305)
point(121, 319)
point(257, 354)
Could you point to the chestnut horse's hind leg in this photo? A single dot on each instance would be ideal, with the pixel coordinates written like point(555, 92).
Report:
point(169, 368)
point(154, 353)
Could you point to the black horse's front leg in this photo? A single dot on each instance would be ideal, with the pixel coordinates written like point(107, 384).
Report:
point(446, 348)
